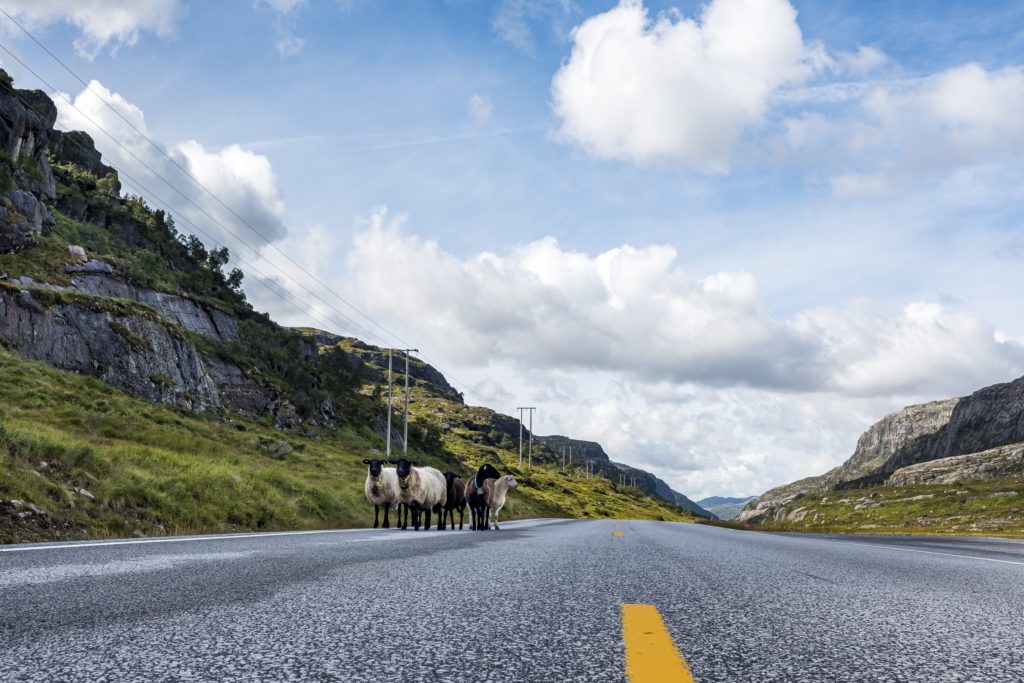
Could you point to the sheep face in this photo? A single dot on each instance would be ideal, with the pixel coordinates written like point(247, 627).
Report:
point(376, 467)
point(403, 468)
point(511, 481)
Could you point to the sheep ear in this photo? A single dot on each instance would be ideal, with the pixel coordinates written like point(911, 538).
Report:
point(366, 461)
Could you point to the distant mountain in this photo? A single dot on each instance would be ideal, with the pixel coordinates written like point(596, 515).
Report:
point(724, 507)
point(584, 451)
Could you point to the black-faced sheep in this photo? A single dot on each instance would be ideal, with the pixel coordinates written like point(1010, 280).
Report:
point(381, 490)
point(497, 501)
point(479, 491)
point(456, 499)
point(422, 489)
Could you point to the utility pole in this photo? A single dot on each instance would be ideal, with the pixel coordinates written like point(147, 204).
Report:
point(570, 456)
point(520, 435)
point(563, 458)
point(530, 461)
point(405, 419)
point(530, 447)
point(389, 404)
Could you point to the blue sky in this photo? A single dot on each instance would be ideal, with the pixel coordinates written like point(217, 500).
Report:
point(722, 267)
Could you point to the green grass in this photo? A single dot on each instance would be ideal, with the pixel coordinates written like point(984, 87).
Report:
point(543, 489)
point(160, 470)
point(990, 508)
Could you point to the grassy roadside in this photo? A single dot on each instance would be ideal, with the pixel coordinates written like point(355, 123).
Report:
point(103, 464)
point(981, 508)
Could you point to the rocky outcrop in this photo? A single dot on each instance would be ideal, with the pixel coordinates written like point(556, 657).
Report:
point(26, 117)
point(988, 418)
point(995, 463)
point(376, 361)
point(877, 450)
point(134, 350)
point(193, 316)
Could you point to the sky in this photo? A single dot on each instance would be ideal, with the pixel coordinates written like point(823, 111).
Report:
point(720, 238)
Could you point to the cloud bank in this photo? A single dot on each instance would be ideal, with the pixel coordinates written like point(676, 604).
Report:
point(638, 312)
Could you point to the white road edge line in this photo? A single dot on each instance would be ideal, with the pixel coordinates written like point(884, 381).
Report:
point(219, 537)
point(912, 550)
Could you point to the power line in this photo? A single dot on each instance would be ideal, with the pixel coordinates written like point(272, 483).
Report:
point(189, 199)
point(280, 292)
point(212, 218)
point(195, 180)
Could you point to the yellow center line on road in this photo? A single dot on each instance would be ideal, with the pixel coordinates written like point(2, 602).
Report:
point(651, 656)
point(616, 533)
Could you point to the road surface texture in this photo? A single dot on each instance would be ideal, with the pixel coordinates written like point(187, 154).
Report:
point(537, 601)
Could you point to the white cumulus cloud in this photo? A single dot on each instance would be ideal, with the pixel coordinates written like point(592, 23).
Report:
point(241, 179)
point(673, 88)
point(102, 23)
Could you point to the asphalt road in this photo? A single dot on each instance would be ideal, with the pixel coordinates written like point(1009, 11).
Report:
point(536, 601)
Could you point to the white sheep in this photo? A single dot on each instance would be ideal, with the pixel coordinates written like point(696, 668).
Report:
point(497, 499)
point(381, 490)
point(421, 489)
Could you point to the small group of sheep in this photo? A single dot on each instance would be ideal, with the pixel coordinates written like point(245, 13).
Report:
point(419, 491)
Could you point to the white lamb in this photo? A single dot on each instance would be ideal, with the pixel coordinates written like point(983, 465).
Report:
point(381, 489)
point(497, 500)
point(421, 489)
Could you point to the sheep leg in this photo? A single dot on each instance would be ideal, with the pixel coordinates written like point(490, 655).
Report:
point(387, 511)
point(426, 517)
point(376, 515)
point(440, 517)
point(496, 527)
point(487, 518)
point(461, 511)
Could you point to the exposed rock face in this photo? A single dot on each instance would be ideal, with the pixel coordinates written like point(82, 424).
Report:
point(78, 148)
point(136, 353)
point(990, 417)
point(195, 317)
point(25, 120)
point(877, 450)
point(1004, 461)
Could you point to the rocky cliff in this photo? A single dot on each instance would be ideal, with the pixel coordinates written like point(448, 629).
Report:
point(977, 438)
point(877, 450)
point(27, 183)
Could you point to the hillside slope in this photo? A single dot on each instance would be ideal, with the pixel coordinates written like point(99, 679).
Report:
point(142, 393)
point(953, 466)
